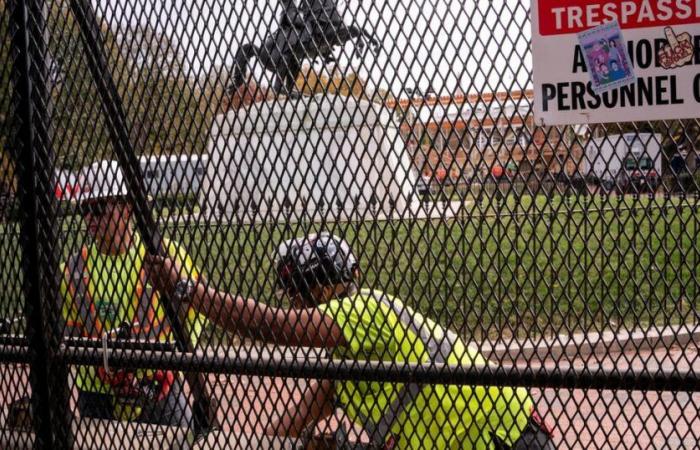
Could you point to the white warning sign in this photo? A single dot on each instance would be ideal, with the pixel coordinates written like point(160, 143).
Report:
point(613, 61)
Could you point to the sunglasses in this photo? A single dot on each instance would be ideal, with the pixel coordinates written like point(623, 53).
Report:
point(95, 209)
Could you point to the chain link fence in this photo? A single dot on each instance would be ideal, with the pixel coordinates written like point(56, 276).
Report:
point(365, 239)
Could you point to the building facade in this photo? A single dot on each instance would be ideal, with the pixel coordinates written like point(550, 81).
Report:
point(467, 136)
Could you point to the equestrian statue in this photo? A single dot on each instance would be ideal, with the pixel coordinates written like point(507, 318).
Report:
point(309, 31)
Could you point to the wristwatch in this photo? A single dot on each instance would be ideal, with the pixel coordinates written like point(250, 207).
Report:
point(184, 290)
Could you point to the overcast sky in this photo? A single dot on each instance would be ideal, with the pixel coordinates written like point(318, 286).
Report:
point(478, 46)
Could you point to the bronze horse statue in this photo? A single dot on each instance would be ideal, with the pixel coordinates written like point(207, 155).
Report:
point(309, 31)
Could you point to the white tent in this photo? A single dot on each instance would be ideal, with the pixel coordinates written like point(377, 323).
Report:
point(327, 155)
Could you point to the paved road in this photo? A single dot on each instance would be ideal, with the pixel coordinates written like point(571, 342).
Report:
point(583, 419)
point(605, 419)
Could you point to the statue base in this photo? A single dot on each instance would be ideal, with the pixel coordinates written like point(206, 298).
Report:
point(325, 157)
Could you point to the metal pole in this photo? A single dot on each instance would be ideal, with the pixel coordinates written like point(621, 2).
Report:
point(119, 133)
point(550, 262)
point(571, 321)
point(308, 366)
point(48, 375)
point(680, 271)
point(585, 216)
point(603, 233)
point(665, 248)
point(502, 320)
point(516, 240)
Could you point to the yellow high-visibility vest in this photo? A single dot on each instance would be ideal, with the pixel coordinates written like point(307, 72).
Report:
point(379, 327)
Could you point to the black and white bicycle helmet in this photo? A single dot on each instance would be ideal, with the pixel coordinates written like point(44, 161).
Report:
point(315, 260)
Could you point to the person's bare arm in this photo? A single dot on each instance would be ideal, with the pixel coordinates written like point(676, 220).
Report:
point(295, 327)
point(298, 327)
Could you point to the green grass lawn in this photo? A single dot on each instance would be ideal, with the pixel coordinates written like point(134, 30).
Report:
point(498, 273)
point(520, 267)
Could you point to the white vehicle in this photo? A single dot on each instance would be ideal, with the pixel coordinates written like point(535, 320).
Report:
point(164, 176)
point(629, 162)
point(173, 175)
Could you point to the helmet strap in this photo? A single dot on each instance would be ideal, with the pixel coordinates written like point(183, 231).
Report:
point(307, 298)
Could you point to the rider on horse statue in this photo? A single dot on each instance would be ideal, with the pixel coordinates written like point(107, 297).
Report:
point(311, 30)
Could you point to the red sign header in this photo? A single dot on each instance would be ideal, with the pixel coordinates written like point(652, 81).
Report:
point(573, 16)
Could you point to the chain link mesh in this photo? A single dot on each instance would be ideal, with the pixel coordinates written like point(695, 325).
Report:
point(516, 286)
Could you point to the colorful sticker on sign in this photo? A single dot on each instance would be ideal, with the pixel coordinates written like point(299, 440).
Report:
point(679, 50)
point(605, 51)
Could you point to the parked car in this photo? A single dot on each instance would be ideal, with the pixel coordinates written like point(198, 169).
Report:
point(626, 163)
point(638, 174)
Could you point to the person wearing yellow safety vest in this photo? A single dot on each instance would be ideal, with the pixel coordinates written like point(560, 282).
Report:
point(105, 293)
point(321, 276)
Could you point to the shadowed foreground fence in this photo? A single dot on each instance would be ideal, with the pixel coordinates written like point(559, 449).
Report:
point(575, 295)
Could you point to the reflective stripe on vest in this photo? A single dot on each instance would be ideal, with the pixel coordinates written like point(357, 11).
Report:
point(145, 323)
point(438, 348)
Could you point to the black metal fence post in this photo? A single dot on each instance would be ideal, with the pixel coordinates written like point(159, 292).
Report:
point(196, 95)
point(116, 120)
point(48, 375)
